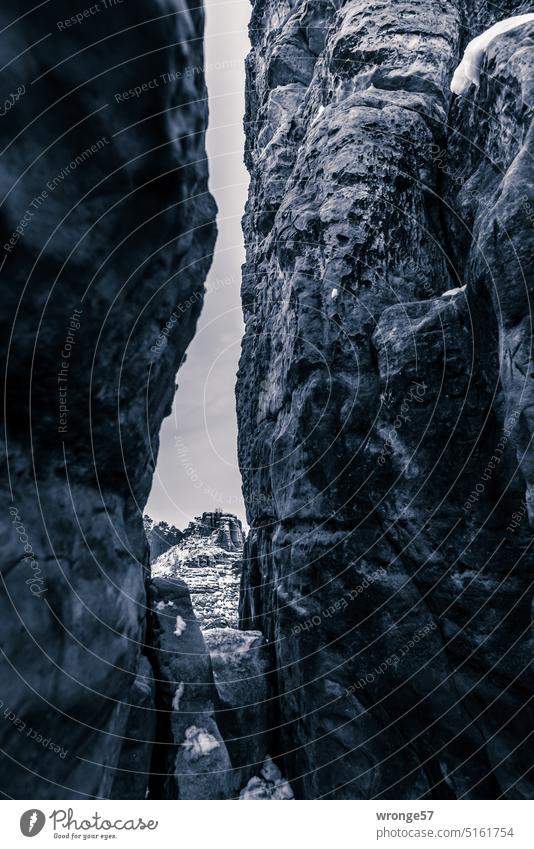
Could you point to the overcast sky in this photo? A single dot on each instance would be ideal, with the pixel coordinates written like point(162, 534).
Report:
point(197, 463)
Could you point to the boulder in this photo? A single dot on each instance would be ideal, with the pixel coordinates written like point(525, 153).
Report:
point(242, 663)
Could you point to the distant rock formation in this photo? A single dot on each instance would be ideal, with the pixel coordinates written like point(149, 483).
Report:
point(209, 558)
point(160, 536)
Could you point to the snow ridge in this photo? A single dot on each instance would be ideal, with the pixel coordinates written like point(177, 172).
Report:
point(468, 71)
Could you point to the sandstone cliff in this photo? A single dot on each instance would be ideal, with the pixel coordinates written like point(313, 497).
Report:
point(385, 395)
point(384, 400)
point(108, 229)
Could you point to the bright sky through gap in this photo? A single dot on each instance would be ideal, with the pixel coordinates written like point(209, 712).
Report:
point(197, 462)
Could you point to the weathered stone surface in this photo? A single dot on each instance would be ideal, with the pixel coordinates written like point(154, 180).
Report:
point(384, 396)
point(105, 211)
point(191, 760)
point(209, 558)
point(242, 663)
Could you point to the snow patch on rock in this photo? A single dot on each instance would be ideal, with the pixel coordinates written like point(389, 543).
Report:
point(451, 292)
point(199, 742)
point(180, 626)
point(317, 114)
point(468, 71)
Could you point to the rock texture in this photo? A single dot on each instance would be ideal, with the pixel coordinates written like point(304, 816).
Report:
point(385, 395)
point(268, 785)
point(214, 703)
point(133, 770)
point(209, 558)
point(107, 233)
point(191, 760)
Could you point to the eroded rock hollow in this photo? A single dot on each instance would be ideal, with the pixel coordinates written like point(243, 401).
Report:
point(385, 395)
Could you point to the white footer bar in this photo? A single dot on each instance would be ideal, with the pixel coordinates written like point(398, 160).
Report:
point(262, 825)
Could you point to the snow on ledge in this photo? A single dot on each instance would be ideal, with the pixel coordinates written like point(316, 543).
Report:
point(468, 71)
point(180, 690)
point(451, 292)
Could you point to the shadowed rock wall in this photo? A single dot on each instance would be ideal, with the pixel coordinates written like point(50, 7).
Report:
point(107, 234)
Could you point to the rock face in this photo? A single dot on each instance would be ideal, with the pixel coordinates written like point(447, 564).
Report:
point(108, 229)
point(268, 785)
point(385, 395)
point(190, 760)
point(133, 770)
point(214, 703)
point(209, 558)
point(242, 663)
